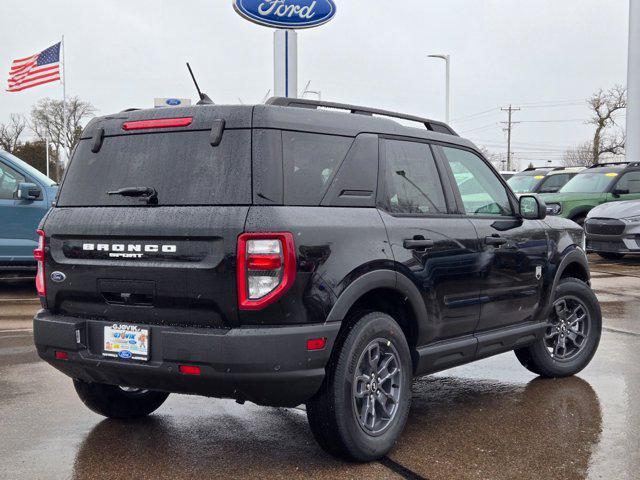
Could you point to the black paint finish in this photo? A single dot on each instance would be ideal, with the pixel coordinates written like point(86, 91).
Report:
point(462, 287)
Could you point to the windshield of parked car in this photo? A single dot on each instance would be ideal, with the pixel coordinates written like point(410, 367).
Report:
point(591, 182)
point(524, 183)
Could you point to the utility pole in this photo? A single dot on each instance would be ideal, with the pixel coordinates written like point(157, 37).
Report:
point(509, 125)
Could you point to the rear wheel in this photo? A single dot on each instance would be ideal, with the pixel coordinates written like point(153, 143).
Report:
point(363, 404)
point(119, 402)
point(611, 255)
point(572, 335)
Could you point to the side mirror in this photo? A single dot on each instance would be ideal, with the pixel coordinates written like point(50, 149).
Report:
point(532, 207)
point(28, 191)
point(620, 191)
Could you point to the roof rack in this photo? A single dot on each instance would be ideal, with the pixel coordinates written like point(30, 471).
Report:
point(614, 164)
point(431, 125)
point(546, 167)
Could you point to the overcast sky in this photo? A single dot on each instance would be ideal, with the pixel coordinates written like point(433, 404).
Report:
point(546, 56)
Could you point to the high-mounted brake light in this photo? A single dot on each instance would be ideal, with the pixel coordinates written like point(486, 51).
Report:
point(266, 268)
point(189, 369)
point(157, 123)
point(38, 254)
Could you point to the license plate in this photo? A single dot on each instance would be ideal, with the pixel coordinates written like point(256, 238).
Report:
point(128, 342)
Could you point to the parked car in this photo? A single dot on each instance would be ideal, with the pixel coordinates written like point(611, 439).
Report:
point(25, 196)
point(290, 254)
point(542, 179)
point(602, 183)
point(613, 229)
point(507, 175)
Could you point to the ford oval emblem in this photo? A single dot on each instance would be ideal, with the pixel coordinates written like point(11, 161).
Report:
point(173, 102)
point(58, 277)
point(124, 354)
point(286, 13)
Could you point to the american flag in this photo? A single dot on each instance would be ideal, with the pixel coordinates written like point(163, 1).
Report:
point(43, 67)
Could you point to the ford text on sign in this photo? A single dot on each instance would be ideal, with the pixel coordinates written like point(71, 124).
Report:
point(292, 14)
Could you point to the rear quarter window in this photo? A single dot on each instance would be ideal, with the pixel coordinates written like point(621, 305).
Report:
point(310, 162)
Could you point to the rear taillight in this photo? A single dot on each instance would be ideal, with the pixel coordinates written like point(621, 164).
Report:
point(266, 268)
point(38, 254)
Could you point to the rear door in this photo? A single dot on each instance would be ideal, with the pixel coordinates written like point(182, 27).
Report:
point(431, 245)
point(15, 245)
point(513, 250)
point(167, 260)
point(629, 183)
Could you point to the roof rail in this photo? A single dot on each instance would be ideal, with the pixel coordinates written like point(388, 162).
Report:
point(431, 125)
point(613, 164)
point(546, 167)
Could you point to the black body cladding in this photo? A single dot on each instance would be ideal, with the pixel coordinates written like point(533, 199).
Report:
point(373, 228)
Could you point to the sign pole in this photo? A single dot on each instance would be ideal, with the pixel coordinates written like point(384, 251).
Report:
point(633, 84)
point(285, 63)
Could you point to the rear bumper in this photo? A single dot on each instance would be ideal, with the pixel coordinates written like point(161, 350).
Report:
point(268, 366)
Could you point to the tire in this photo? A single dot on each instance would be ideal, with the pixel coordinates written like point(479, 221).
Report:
point(332, 411)
point(537, 357)
point(611, 255)
point(114, 402)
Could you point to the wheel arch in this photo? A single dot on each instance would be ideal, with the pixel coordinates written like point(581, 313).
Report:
point(574, 264)
point(386, 291)
point(580, 211)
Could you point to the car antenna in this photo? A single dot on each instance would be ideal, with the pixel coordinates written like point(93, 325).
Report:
point(204, 98)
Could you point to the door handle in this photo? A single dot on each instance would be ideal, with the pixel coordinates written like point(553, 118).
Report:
point(495, 240)
point(417, 243)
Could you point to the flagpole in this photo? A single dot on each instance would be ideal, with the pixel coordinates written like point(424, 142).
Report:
point(64, 93)
point(64, 73)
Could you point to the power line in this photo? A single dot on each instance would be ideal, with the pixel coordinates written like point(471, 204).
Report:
point(480, 128)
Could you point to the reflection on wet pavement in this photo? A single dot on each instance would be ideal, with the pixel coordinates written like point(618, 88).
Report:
point(488, 420)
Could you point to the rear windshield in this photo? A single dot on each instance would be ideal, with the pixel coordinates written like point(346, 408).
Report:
point(182, 167)
point(524, 183)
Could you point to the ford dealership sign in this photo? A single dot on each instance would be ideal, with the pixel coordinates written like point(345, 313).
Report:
point(292, 14)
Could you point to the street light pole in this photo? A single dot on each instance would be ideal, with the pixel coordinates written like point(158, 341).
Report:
point(633, 84)
point(447, 60)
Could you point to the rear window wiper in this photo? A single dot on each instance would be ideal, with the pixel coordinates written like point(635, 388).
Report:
point(148, 192)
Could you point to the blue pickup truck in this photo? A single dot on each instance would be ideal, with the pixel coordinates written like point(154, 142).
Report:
point(26, 195)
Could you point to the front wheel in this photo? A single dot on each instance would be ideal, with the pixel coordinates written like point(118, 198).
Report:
point(363, 404)
point(580, 219)
point(572, 335)
point(119, 402)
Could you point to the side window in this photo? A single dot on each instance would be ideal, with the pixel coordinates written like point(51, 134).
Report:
point(9, 180)
point(412, 183)
point(630, 181)
point(310, 161)
point(481, 191)
point(553, 183)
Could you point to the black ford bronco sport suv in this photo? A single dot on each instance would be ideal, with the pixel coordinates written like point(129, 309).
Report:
point(298, 252)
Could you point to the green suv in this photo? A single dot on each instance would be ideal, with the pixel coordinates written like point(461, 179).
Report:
point(601, 183)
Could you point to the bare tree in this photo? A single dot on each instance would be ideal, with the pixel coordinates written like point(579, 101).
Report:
point(604, 106)
point(60, 122)
point(11, 132)
point(579, 156)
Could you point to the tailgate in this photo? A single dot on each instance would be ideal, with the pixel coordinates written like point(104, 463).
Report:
point(162, 266)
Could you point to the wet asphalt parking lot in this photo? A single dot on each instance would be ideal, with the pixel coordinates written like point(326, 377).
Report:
point(488, 420)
